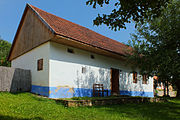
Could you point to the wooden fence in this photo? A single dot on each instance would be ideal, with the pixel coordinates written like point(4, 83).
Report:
point(15, 79)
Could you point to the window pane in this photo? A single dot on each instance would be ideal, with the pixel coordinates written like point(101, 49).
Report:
point(40, 64)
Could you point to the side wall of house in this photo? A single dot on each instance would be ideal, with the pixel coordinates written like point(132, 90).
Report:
point(73, 74)
point(40, 79)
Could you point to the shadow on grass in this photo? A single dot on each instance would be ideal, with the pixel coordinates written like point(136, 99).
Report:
point(17, 93)
point(40, 98)
point(2, 117)
point(149, 111)
point(45, 99)
point(14, 93)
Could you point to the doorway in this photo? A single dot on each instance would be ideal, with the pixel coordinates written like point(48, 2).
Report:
point(114, 81)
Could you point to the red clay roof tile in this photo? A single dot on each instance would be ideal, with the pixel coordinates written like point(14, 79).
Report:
point(80, 33)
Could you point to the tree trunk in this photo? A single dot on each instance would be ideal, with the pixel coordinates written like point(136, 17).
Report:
point(167, 84)
point(155, 87)
point(178, 88)
point(178, 93)
point(164, 83)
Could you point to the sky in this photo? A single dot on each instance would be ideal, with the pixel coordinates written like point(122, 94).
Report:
point(73, 10)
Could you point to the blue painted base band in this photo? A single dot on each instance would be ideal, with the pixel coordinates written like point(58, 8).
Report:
point(64, 92)
point(137, 93)
point(40, 90)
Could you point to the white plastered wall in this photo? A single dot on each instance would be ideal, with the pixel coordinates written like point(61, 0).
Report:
point(126, 82)
point(66, 70)
point(29, 61)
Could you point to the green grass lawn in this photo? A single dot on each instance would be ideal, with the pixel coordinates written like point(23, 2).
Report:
point(26, 106)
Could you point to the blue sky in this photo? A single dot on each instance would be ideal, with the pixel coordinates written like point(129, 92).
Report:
point(73, 10)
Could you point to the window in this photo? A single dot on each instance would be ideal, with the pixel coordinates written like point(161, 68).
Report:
point(92, 56)
point(134, 77)
point(145, 78)
point(83, 70)
point(40, 64)
point(70, 50)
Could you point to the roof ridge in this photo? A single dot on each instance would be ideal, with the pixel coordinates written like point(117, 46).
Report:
point(43, 20)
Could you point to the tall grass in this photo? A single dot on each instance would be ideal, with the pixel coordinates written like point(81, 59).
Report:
point(26, 106)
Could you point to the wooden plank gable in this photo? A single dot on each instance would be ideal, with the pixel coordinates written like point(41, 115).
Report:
point(38, 26)
point(31, 33)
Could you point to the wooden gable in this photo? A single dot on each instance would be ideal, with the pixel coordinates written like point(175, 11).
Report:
point(37, 27)
point(31, 33)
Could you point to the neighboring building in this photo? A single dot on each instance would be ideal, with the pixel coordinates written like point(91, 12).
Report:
point(66, 59)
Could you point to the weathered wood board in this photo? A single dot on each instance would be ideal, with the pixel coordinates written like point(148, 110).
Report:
point(15, 80)
point(31, 33)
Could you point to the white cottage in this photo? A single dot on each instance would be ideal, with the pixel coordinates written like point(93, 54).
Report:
point(66, 59)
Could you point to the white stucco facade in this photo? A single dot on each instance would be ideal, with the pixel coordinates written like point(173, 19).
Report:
point(29, 61)
point(63, 70)
point(66, 70)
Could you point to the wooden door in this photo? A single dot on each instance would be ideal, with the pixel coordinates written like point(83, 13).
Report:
point(114, 81)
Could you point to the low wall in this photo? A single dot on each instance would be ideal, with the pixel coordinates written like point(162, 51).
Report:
point(109, 101)
point(15, 79)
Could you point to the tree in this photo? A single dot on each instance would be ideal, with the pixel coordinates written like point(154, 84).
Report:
point(4, 52)
point(127, 10)
point(157, 45)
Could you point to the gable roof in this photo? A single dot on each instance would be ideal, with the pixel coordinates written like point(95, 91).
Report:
point(67, 29)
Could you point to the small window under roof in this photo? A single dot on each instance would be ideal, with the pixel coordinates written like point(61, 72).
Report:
point(70, 50)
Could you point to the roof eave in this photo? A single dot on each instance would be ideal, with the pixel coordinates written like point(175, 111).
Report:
point(121, 56)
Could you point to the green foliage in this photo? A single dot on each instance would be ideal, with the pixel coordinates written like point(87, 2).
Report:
point(157, 45)
point(4, 52)
point(127, 10)
point(26, 106)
